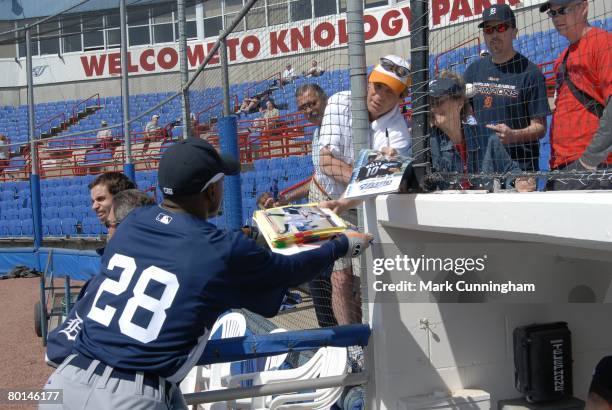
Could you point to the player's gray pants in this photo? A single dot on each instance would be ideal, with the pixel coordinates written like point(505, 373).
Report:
point(83, 389)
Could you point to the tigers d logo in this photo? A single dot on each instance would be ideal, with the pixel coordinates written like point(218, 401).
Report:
point(488, 101)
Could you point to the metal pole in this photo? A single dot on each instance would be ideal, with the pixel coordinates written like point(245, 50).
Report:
point(186, 119)
point(360, 124)
point(224, 74)
point(34, 177)
point(232, 199)
point(128, 167)
point(419, 55)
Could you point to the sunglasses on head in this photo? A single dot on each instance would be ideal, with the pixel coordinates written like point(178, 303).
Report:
point(389, 65)
point(500, 28)
point(562, 11)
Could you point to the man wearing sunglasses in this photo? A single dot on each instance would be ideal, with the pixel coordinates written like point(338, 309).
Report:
point(509, 90)
point(581, 131)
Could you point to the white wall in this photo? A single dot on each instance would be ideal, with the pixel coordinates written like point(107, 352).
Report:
point(564, 244)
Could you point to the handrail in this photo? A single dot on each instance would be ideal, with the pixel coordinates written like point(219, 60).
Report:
point(48, 121)
point(273, 75)
point(455, 48)
point(74, 108)
point(208, 108)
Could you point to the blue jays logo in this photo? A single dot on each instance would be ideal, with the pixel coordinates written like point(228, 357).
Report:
point(39, 70)
point(73, 327)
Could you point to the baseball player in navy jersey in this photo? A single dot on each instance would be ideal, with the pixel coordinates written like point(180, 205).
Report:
point(166, 276)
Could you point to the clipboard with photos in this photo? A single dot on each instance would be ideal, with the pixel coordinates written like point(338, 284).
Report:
point(295, 228)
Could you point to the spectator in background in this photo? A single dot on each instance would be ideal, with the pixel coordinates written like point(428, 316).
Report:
point(270, 114)
point(288, 75)
point(103, 189)
point(600, 391)
point(311, 100)
point(152, 129)
point(314, 70)
point(509, 90)
point(249, 105)
point(581, 131)
point(460, 147)
point(104, 137)
point(5, 152)
point(122, 204)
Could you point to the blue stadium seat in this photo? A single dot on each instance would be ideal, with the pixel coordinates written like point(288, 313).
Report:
point(14, 227)
point(27, 227)
point(65, 212)
point(50, 212)
point(91, 226)
point(69, 226)
point(25, 213)
point(53, 226)
point(4, 228)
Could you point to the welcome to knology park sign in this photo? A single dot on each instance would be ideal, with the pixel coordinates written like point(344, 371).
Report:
point(273, 42)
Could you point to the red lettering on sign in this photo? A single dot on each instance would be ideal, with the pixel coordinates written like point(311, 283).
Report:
point(232, 45)
point(391, 27)
point(301, 38)
point(439, 8)
point(327, 39)
point(480, 5)
point(114, 63)
point(93, 65)
point(167, 58)
point(277, 42)
point(408, 15)
point(132, 68)
point(144, 60)
point(372, 29)
point(214, 59)
point(195, 55)
point(250, 47)
point(460, 8)
point(342, 36)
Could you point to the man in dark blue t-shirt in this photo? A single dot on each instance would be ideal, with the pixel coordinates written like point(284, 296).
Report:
point(509, 90)
point(167, 275)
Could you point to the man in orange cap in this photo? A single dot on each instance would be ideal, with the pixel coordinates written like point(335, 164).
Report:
point(389, 133)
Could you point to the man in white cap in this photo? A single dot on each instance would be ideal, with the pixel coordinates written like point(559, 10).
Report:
point(387, 86)
point(104, 136)
point(152, 129)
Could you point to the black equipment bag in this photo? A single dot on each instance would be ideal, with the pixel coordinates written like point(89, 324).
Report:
point(543, 361)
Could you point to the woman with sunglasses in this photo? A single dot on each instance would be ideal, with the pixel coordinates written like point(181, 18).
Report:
point(509, 90)
point(463, 148)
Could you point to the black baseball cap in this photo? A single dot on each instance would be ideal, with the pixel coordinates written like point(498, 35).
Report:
point(498, 12)
point(189, 166)
point(602, 379)
point(549, 3)
point(444, 86)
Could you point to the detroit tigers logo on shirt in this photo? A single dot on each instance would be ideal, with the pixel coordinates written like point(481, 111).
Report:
point(163, 218)
point(73, 327)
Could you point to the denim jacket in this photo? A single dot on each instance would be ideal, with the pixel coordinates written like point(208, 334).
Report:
point(485, 154)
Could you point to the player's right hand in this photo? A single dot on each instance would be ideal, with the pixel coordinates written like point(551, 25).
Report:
point(358, 242)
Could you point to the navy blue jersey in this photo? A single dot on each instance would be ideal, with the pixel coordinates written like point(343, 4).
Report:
point(166, 277)
point(511, 93)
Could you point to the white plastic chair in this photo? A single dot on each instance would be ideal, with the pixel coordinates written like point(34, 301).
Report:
point(272, 363)
point(202, 378)
point(327, 361)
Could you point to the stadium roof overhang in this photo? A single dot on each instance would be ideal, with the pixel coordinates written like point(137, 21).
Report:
point(27, 9)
